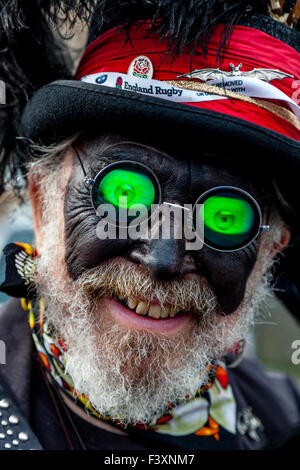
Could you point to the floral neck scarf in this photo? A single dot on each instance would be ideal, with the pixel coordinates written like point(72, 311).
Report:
point(211, 413)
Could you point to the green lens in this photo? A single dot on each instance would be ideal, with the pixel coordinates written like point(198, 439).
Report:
point(126, 189)
point(229, 220)
point(228, 215)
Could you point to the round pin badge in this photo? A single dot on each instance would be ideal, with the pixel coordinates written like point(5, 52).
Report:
point(141, 67)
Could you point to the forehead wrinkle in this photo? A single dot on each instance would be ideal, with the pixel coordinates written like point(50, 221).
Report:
point(93, 143)
point(127, 150)
point(205, 176)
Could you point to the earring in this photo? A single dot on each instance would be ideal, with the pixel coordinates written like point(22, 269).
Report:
point(234, 357)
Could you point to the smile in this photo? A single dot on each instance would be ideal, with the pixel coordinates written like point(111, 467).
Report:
point(142, 315)
point(151, 309)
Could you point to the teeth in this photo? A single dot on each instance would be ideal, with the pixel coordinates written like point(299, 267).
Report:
point(132, 303)
point(172, 312)
point(142, 308)
point(165, 312)
point(153, 311)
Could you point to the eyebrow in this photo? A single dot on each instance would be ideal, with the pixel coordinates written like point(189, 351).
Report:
point(120, 151)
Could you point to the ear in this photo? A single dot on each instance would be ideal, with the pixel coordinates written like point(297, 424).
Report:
point(284, 241)
point(37, 207)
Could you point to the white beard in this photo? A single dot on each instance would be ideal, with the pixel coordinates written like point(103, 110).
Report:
point(132, 375)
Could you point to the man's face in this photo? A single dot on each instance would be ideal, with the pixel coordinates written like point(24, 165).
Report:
point(142, 319)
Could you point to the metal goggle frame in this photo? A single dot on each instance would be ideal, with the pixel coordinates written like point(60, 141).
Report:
point(218, 206)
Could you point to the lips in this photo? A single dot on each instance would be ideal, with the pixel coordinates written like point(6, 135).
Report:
point(149, 315)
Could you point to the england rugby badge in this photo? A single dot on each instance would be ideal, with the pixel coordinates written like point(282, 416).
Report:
point(141, 67)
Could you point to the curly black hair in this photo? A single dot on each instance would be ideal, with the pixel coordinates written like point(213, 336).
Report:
point(31, 55)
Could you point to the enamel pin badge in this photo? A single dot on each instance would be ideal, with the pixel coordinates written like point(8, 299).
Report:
point(217, 74)
point(141, 67)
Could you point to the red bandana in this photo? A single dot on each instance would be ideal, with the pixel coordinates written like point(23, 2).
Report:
point(112, 52)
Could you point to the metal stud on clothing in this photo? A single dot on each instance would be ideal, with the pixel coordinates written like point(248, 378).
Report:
point(13, 419)
point(4, 403)
point(15, 431)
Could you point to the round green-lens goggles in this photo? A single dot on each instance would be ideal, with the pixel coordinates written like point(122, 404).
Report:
point(129, 187)
point(227, 218)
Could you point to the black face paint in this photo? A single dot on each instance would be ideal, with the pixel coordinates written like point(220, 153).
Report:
point(182, 182)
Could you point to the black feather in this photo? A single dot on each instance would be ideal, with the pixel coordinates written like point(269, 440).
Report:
point(181, 21)
point(31, 55)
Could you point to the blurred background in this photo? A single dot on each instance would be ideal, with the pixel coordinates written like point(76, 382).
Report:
point(271, 340)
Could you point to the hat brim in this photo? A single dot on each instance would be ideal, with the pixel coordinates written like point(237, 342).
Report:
point(65, 107)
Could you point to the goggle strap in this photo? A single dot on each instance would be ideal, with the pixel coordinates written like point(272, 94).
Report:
point(80, 161)
point(87, 179)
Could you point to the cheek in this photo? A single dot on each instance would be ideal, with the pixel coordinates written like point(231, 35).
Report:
point(228, 274)
point(83, 248)
point(53, 231)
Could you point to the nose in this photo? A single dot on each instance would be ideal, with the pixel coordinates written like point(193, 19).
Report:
point(165, 258)
point(164, 252)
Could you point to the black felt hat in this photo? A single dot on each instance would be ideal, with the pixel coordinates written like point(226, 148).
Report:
point(239, 129)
